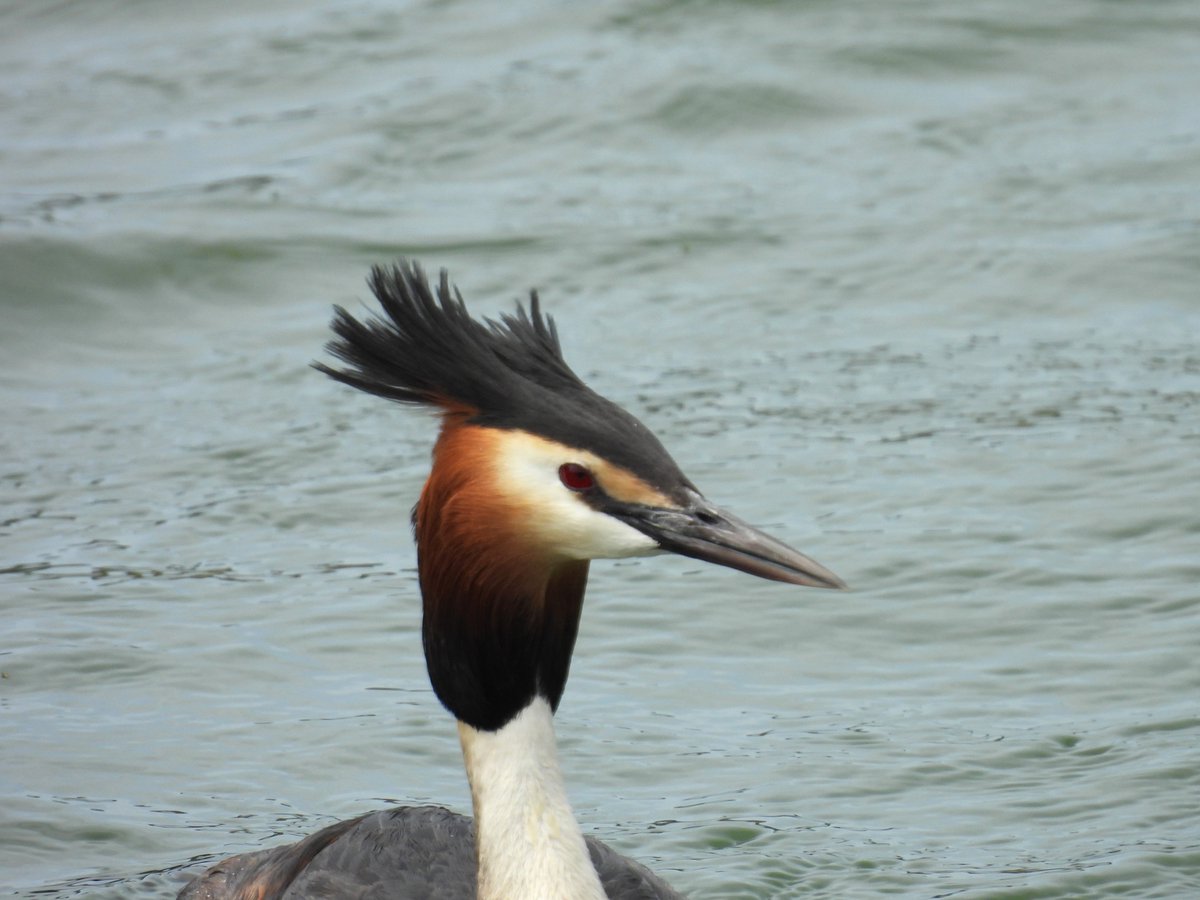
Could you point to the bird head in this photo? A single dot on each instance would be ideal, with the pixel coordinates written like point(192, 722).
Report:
point(534, 474)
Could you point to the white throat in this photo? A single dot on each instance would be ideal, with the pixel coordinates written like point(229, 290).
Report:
point(528, 843)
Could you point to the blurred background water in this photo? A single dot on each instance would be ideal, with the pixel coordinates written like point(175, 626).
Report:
point(913, 285)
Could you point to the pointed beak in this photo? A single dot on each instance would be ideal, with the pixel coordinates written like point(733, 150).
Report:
point(703, 531)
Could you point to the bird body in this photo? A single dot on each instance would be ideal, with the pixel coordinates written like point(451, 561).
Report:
point(533, 476)
point(400, 853)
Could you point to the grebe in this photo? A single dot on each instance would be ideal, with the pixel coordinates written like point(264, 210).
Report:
point(533, 476)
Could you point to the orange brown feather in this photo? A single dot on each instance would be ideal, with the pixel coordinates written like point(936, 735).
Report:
point(500, 612)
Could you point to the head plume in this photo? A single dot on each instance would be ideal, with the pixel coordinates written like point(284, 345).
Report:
point(429, 351)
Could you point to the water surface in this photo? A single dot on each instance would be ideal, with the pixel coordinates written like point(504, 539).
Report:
point(914, 286)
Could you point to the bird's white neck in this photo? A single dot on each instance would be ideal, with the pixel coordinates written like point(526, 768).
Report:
point(528, 843)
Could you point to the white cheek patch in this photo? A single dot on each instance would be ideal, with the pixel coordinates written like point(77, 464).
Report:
point(527, 471)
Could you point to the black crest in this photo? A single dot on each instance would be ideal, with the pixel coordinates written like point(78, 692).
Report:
point(428, 350)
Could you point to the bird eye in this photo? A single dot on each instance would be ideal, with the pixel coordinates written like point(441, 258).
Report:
point(576, 477)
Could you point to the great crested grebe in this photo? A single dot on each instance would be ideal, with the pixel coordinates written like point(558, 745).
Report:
point(534, 475)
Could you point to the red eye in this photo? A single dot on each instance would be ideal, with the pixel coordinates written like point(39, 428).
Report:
point(576, 477)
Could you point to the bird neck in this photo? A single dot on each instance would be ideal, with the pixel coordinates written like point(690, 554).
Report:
point(500, 613)
point(527, 841)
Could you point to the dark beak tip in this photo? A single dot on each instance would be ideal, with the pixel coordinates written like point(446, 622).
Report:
point(839, 586)
point(827, 581)
point(806, 572)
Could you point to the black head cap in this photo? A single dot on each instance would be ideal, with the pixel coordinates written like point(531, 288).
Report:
point(510, 374)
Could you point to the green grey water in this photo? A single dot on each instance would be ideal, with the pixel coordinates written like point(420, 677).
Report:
point(916, 286)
